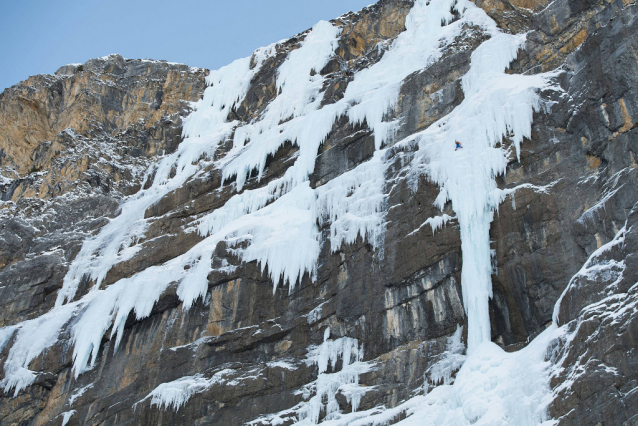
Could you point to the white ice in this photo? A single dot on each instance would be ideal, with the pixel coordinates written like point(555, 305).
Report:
point(79, 393)
point(493, 388)
point(320, 395)
point(66, 416)
point(32, 338)
point(496, 105)
point(279, 222)
point(451, 360)
point(435, 223)
point(203, 129)
point(176, 393)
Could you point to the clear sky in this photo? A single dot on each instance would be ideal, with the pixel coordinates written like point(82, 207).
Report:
point(39, 36)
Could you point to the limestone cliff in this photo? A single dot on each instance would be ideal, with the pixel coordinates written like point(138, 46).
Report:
point(77, 147)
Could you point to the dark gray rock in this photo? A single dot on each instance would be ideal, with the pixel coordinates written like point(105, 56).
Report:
point(576, 188)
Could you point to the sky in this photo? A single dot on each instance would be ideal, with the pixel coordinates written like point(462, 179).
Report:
point(39, 36)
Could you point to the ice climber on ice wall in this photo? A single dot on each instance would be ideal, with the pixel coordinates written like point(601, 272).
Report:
point(277, 225)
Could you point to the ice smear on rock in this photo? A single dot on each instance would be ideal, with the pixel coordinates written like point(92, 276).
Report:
point(435, 223)
point(66, 416)
point(299, 96)
point(353, 203)
point(320, 395)
point(32, 338)
point(375, 90)
point(328, 384)
point(451, 360)
point(5, 335)
point(175, 394)
point(79, 393)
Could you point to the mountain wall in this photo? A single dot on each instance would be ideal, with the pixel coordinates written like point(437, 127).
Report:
point(122, 178)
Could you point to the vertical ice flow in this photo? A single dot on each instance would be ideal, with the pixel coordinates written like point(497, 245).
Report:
point(294, 115)
point(496, 106)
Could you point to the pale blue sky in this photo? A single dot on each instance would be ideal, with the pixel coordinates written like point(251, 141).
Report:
point(39, 36)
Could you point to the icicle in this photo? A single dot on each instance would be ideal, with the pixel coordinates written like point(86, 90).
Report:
point(278, 222)
point(496, 105)
point(203, 130)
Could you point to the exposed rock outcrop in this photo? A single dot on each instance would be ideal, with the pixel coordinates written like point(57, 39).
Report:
point(74, 145)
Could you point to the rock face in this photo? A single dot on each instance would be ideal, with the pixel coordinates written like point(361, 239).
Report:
point(74, 145)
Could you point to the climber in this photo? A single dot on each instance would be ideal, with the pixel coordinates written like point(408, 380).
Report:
point(458, 145)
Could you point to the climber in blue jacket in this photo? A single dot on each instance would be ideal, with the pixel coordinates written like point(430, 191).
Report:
point(458, 145)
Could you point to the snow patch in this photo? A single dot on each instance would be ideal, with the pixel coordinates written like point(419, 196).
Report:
point(281, 364)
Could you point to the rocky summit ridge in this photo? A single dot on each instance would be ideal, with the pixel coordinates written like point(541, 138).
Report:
point(292, 239)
